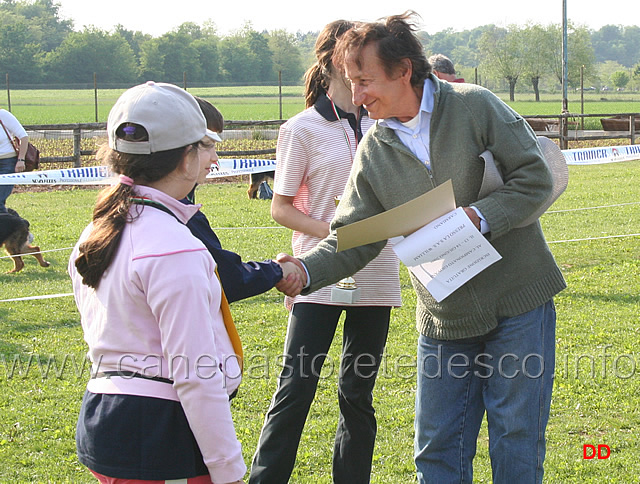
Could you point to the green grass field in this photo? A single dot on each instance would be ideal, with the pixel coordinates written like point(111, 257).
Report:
point(263, 103)
point(597, 388)
point(79, 105)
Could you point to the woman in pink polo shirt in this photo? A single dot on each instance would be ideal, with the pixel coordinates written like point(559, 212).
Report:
point(315, 152)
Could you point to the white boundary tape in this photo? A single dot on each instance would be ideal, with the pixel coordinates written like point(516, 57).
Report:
point(283, 228)
point(226, 167)
point(593, 238)
point(31, 298)
point(52, 296)
point(32, 253)
point(592, 208)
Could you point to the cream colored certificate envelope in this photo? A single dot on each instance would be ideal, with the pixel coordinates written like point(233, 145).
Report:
point(402, 220)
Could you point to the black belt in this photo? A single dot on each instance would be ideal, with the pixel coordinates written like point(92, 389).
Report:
point(131, 374)
point(134, 374)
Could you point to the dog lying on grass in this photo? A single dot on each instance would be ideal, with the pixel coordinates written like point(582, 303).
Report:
point(16, 239)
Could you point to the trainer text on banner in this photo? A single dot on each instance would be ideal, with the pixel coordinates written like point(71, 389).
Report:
point(606, 154)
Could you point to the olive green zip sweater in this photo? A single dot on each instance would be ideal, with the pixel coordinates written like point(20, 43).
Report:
point(466, 120)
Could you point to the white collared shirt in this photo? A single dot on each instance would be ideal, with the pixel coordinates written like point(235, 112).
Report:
point(414, 134)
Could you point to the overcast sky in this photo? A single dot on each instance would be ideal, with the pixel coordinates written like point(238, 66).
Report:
point(158, 17)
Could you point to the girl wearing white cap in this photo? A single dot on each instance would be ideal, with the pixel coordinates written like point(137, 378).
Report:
point(165, 356)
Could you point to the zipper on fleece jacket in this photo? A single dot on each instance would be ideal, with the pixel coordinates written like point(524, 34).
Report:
point(433, 183)
point(397, 144)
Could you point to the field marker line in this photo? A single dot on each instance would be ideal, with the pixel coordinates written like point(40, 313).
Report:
point(594, 238)
point(31, 298)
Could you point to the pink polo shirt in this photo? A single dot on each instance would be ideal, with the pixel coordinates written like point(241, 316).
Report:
point(314, 161)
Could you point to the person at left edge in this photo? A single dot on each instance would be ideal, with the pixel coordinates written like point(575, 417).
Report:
point(10, 161)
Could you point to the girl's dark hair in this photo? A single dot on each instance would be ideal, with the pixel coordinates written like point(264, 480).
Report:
point(111, 212)
point(395, 41)
point(316, 77)
point(215, 121)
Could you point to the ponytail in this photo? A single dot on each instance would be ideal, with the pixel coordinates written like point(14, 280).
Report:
point(110, 216)
point(317, 76)
point(314, 85)
point(113, 207)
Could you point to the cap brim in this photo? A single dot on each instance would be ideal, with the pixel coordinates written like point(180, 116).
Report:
point(557, 164)
point(213, 135)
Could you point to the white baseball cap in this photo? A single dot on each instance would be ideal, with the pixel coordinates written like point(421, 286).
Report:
point(170, 115)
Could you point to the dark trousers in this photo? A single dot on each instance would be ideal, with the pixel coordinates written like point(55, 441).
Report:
point(309, 335)
point(7, 166)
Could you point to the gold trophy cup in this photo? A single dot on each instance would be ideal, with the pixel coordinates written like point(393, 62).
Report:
point(345, 291)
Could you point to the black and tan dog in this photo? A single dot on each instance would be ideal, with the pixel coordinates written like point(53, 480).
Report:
point(256, 180)
point(16, 239)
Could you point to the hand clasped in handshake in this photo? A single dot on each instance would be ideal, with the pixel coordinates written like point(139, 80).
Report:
point(294, 277)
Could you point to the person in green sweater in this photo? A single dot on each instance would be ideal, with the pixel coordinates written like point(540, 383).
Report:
point(490, 345)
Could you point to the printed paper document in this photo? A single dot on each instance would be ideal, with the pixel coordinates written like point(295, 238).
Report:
point(446, 253)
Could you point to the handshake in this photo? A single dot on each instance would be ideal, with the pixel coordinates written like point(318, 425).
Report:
point(294, 277)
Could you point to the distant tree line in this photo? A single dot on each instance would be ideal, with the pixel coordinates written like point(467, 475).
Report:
point(532, 55)
point(38, 47)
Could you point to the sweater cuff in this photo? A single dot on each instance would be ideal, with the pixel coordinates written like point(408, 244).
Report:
point(306, 271)
point(484, 225)
point(495, 216)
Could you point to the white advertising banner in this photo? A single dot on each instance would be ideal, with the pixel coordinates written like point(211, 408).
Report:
point(603, 154)
point(235, 167)
point(100, 175)
point(90, 175)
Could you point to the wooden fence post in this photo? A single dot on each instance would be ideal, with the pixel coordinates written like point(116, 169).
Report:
point(582, 96)
point(564, 132)
point(280, 91)
point(77, 138)
point(95, 93)
point(8, 95)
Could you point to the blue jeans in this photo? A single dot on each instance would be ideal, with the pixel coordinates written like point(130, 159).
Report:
point(7, 166)
point(509, 374)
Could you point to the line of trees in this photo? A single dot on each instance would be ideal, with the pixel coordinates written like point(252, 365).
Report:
point(530, 57)
point(37, 46)
point(534, 53)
